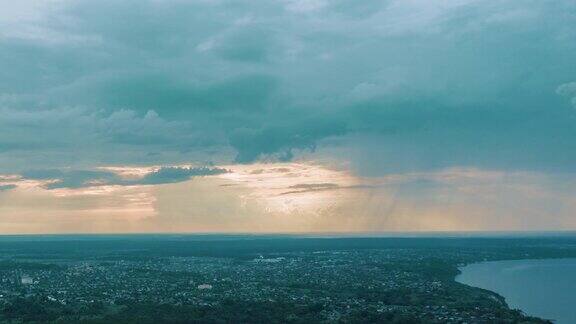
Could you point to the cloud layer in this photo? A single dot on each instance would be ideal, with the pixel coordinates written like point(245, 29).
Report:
point(291, 197)
point(309, 115)
point(73, 179)
point(411, 84)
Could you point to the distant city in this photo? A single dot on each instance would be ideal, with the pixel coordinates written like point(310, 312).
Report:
point(219, 279)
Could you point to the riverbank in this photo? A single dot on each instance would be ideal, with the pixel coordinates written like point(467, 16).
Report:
point(545, 288)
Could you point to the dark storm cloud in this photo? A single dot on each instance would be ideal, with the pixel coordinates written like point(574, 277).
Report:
point(72, 178)
point(405, 85)
point(178, 174)
point(87, 178)
point(281, 137)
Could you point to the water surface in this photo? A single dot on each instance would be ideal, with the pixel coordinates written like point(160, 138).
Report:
point(542, 288)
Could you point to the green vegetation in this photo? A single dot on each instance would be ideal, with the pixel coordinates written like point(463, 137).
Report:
point(283, 280)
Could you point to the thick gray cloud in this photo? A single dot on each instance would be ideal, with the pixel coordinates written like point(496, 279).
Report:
point(390, 85)
point(178, 174)
point(87, 178)
point(72, 178)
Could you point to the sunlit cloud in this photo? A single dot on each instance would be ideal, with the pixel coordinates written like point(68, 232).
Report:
point(293, 197)
point(258, 191)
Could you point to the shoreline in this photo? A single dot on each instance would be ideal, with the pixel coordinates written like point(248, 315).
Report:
point(502, 266)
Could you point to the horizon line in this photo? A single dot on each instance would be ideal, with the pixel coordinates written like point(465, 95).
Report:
point(363, 234)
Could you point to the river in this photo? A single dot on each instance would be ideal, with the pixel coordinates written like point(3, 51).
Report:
point(542, 288)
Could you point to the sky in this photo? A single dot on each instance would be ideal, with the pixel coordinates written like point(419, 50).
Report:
point(287, 116)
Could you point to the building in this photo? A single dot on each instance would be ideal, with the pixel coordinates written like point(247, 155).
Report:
point(26, 280)
point(204, 286)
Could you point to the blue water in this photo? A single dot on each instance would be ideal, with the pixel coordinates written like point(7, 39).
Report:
point(542, 288)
